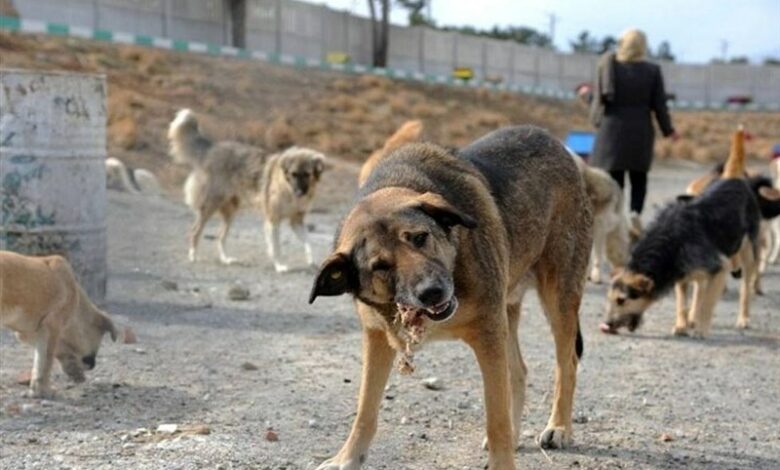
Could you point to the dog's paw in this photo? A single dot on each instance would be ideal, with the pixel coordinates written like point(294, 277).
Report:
point(192, 256)
point(697, 334)
point(743, 324)
point(555, 438)
point(39, 390)
point(227, 260)
point(341, 464)
point(281, 268)
point(595, 276)
point(680, 331)
point(515, 436)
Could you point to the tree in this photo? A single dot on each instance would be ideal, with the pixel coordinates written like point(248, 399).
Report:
point(237, 10)
point(739, 60)
point(772, 61)
point(380, 31)
point(587, 44)
point(664, 52)
point(519, 34)
point(416, 17)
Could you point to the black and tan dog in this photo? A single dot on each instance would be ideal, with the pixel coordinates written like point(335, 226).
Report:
point(443, 247)
point(698, 240)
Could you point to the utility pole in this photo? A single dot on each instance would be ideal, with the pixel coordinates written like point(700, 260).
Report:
point(724, 49)
point(553, 19)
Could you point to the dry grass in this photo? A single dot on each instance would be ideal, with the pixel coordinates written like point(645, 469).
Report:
point(346, 116)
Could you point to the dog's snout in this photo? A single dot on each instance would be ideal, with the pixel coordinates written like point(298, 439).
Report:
point(431, 295)
point(89, 361)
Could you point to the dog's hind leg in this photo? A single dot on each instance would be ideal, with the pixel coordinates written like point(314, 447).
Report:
point(201, 217)
point(378, 358)
point(272, 244)
point(228, 212)
point(750, 271)
point(45, 345)
point(297, 225)
point(681, 323)
point(775, 252)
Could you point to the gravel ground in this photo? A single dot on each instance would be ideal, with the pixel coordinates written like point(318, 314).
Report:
point(274, 362)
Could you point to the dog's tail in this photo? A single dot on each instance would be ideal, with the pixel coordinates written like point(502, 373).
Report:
point(188, 145)
point(735, 165)
point(409, 132)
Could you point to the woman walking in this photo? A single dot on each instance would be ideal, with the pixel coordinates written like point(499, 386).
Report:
point(628, 90)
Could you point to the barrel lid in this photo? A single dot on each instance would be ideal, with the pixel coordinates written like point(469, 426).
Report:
point(63, 73)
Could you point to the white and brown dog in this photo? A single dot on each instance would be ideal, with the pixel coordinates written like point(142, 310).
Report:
point(611, 233)
point(43, 303)
point(226, 175)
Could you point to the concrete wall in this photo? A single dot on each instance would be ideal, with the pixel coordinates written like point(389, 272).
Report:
point(312, 31)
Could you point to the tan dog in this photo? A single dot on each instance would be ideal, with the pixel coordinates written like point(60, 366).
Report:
point(409, 132)
point(287, 192)
point(228, 174)
point(43, 303)
point(611, 234)
point(444, 247)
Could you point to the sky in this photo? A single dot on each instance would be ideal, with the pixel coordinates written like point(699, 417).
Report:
point(696, 29)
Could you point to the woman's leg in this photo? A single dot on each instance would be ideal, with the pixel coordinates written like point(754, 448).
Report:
point(618, 176)
point(638, 190)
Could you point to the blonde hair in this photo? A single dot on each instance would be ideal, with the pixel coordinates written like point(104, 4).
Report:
point(632, 46)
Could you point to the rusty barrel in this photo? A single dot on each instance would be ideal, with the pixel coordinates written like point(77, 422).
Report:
point(52, 169)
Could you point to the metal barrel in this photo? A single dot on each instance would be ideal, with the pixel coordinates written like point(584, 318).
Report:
point(52, 169)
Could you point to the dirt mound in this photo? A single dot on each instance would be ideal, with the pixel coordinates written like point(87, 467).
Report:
point(344, 116)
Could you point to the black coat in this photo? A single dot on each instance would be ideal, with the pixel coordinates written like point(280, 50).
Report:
point(625, 136)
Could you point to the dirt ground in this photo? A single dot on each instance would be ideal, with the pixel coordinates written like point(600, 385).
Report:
point(716, 400)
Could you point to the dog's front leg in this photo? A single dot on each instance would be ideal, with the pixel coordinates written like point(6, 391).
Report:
point(45, 345)
point(597, 255)
point(681, 296)
point(300, 231)
point(712, 293)
point(377, 362)
point(490, 347)
point(272, 243)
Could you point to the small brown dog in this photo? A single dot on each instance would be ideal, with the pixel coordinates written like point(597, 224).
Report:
point(43, 303)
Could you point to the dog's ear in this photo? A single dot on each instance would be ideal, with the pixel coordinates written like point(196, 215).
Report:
point(640, 283)
point(337, 276)
point(444, 213)
point(320, 164)
point(771, 194)
point(107, 326)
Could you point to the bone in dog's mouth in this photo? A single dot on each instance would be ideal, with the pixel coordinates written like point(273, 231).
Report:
point(413, 331)
point(437, 313)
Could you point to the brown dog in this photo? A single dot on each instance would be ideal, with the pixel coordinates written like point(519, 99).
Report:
point(43, 303)
point(409, 132)
point(444, 246)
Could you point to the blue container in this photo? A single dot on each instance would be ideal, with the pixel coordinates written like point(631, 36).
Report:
point(581, 142)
